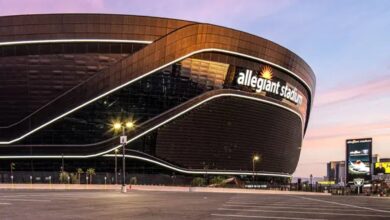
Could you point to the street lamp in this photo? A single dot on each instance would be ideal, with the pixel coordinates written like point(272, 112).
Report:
point(254, 160)
point(116, 167)
point(123, 141)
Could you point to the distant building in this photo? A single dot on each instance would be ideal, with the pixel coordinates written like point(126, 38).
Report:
point(336, 171)
point(384, 160)
point(375, 158)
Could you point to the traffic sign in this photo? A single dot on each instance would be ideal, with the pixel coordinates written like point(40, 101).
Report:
point(358, 182)
point(123, 139)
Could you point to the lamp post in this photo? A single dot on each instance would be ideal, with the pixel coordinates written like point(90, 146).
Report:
point(123, 141)
point(12, 167)
point(311, 182)
point(254, 159)
point(116, 167)
point(62, 162)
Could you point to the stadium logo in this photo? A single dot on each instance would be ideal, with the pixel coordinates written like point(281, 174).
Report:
point(265, 83)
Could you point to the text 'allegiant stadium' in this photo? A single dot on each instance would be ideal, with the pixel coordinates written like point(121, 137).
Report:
point(262, 84)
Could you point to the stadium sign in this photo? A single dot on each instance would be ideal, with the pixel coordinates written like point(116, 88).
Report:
point(265, 83)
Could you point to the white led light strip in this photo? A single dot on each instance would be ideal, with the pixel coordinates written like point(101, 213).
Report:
point(155, 127)
point(198, 171)
point(10, 43)
point(148, 73)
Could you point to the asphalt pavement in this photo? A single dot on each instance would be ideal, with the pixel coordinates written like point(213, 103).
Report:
point(44, 204)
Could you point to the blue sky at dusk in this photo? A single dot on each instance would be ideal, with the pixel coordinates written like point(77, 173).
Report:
point(346, 42)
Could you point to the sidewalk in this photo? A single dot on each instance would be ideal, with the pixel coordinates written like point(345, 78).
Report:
point(220, 190)
point(150, 188)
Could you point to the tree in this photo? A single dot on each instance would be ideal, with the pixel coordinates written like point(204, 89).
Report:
point(73, 178)
point(90, 172)
point(79, 172)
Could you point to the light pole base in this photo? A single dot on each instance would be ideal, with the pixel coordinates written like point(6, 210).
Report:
point(124, 189)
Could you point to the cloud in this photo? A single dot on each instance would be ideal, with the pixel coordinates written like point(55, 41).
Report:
point(50, 6)
point(349, 130)
point(377, 87)
point(222, 12)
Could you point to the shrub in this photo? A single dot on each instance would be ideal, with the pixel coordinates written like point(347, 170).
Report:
point(133, 180)
point(198, 181)
point(217, 180)
point(64, 177)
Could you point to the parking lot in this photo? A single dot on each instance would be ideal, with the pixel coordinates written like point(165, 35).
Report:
point(42, 204)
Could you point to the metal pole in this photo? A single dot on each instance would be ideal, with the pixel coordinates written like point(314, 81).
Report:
point(311, 182)
point(116, 167)
point(253, 167)
point(62, 167)
point(123, 163)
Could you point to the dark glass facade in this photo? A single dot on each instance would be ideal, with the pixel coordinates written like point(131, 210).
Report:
point(34, 74)
point(142, 101)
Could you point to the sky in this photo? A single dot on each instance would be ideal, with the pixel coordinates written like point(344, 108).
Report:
point(346, 42)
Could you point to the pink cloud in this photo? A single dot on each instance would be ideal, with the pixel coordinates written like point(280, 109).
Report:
point(369, 88)
point(45, 6)
point(317, 152)
point(349, 130)
point(354, 111)
point(222, 12)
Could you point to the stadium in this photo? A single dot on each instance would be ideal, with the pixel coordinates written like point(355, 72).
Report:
point(204, 99)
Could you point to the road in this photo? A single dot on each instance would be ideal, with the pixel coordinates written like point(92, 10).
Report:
point(19, 204)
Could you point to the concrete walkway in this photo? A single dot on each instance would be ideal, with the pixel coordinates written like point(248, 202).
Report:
point(150, 188)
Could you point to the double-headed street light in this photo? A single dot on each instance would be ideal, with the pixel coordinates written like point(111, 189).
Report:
point(123, 141)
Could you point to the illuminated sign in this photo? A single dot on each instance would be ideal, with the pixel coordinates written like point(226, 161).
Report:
point(383, 167)
point(326, 182)
point(358, 159)
point(266, 84)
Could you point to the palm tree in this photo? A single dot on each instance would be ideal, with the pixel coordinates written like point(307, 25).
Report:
point(90, 172)
point(79, 172)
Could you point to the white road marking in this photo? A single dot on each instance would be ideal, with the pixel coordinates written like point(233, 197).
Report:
point(268, 202)
point(286, 207)
point(25, 200)
point(343, 204)
point(261, 216)
point(5, 203)
point(300, 204)
point(303, 212)
point(28, 196)
point(57, 196)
